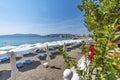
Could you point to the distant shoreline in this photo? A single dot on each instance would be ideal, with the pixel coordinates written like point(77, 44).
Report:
point(68, 36)
point(19, 40)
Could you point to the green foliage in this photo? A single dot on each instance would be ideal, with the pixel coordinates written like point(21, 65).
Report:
point(101, 38)
point(101, 17)
point(99, 13)
point(67, 60)
point(84, 47)
point(115, 37)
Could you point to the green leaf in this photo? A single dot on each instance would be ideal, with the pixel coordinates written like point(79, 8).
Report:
point(115, 37)
point(111, 76)
point(113, 25)
point(114, 63)
point(112, 47)
point(99, 68)
point(103, 77)
point(80, 7)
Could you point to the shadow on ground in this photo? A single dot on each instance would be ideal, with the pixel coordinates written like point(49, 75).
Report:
point(29, 55)
point(8, 61)
point(5, 74)
point(31, 66)
point(54, 67)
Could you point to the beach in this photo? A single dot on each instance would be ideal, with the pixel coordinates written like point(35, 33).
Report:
point(36, 71)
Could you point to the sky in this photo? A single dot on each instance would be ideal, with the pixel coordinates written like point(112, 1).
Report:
point(41, 17)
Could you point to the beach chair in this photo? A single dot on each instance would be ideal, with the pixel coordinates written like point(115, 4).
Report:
point(19, 65)
point(42, 57)
point(4, 59)
point(55, 53)
point(51, 48)
point(30, 53)
point(45, 55)
point(28, 61)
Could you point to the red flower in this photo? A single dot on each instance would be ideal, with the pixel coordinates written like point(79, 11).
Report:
point(91, 52)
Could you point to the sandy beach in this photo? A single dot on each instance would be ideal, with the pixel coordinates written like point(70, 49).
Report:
point(36, 71)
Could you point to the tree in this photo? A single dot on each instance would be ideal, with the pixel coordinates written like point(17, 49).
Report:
point(99, 13)
point(102, 18)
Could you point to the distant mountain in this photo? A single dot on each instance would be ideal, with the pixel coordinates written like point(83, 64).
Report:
point(49, 35)
point(21, 35)
point(63, 35)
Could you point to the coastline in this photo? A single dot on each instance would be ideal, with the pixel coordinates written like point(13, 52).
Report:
point(36, 71)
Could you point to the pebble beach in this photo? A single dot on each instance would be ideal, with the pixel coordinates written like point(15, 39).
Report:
point(36, 71)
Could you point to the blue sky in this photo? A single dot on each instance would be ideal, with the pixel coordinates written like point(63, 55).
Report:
point(41, 17)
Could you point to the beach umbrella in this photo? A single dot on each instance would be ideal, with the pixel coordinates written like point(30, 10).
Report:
point(48, 53)
point(39, 46)
point(46, 64)
point(14, 69)
point(64, 46)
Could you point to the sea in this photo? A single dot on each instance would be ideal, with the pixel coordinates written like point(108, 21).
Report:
point(19, 40)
